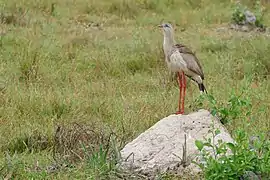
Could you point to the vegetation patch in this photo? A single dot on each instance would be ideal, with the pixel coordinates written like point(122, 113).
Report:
point(100, 64)
point(245, 20)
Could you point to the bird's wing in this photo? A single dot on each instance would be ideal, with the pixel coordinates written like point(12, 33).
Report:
point(191, 60)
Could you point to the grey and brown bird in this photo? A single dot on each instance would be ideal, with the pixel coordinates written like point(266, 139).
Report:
point(181, 60)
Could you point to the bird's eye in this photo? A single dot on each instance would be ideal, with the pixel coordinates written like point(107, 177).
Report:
point(166, 25)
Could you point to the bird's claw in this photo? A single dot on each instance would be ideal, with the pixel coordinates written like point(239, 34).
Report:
point(179, 112)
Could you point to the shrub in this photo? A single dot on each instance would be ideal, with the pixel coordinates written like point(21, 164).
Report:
point(246, 157)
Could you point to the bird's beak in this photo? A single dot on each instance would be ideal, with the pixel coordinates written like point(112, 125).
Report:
point(160, 26)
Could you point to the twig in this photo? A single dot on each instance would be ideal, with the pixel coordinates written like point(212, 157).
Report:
point(129, 156)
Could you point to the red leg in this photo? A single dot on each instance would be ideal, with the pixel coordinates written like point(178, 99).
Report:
point(184, 92)
point(180, 94)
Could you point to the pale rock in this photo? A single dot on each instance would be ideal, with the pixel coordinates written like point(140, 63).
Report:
point(160, 148)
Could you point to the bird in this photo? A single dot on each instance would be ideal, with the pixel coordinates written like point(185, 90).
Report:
point(181, 60)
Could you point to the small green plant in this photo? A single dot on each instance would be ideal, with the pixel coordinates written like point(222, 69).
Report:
point(239, 14)
point(259, 14)
point(232, 110)
point(234, 160)
point(100, 162)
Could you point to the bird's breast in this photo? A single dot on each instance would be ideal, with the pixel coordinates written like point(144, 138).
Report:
point(176, 62)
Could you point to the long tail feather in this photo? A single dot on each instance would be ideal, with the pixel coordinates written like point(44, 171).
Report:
point(202, 88)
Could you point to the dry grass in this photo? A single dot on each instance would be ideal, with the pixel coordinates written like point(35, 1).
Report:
point(101, 61)
point(72, 140)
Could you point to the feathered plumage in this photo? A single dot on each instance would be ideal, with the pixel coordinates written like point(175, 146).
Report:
point(182, 60)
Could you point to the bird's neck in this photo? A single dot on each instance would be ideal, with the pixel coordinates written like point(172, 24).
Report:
point(168, 42)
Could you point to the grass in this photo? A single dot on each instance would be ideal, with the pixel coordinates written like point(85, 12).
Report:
point(102, 62)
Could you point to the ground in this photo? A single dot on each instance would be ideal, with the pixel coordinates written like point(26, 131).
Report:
point(65, 62)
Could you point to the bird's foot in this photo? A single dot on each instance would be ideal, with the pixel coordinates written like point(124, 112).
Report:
point(179, 112)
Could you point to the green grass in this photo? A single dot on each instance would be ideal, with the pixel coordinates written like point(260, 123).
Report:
point(56, 70)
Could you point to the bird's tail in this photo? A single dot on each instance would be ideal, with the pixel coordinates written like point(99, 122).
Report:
point(202, 88)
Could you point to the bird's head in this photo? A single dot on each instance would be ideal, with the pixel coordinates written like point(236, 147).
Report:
point(166, 27)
